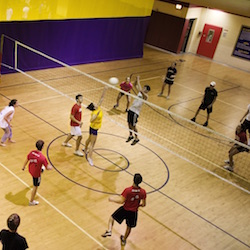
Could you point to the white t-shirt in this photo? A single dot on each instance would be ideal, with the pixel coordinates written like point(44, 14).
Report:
point(137, 104)
point(6, 110)
point(248, 115)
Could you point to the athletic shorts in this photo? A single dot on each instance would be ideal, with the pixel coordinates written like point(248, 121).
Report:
point(204, 106)
point(75, 130)
point(120, 214)
point(168, 82)
point(132, 118)
point(36, 181)
point(93, 131)
point(246, 125)
point(241, 149)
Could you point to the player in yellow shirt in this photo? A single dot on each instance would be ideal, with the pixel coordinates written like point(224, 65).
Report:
point(95, 124)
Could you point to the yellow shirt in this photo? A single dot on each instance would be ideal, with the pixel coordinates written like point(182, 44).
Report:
point(97, 123)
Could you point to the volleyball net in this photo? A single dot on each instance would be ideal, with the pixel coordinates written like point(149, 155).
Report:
point(200, 146)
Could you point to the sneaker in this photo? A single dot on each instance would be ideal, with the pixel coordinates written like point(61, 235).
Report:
point(33, 203)
point(90, 162)
point(107, 233)
point(160, 94)
point(205, 124)
point(2, 144)
point(229, 168)
point(167, 97)
point(135, 141)
point(123, 242)
point(227, 161)
point(193, 119)
point(12, 141)
point(115, 106)
point(130, 138)
point(66, 144)
point(79, 153)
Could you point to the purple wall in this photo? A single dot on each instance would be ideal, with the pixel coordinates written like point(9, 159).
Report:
point(75, 41)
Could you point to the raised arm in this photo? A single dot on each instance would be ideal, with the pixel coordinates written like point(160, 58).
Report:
point(102, 96)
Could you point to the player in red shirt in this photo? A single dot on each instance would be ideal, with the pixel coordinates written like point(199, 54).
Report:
point(76, 124)
point(36, 162)
point(132, 198)
point(240, 136)
point(125, 86)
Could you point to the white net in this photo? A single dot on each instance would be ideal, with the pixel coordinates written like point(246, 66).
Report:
point(196, 144)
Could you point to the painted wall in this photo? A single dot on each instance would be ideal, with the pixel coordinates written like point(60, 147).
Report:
point(74, 31)
point(231, 25)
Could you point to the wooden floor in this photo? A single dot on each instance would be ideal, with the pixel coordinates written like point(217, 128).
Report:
point(187, 208)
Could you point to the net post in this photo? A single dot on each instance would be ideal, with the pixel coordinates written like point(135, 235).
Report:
point(15, 55)
point(1, 53)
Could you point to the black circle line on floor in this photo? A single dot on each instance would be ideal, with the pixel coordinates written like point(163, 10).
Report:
point(69, 179)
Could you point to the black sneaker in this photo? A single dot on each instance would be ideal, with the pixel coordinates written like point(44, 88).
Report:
point(135, 141)
point(205, 124)
point(123, 242)
point(130, 138)
point(107, 233)
point(193, 119)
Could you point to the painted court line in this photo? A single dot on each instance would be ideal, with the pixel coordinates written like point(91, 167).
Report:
point(55, 208)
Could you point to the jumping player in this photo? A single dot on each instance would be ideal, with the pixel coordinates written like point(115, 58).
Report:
point(134, 111)
point(246, 122)
point(76, 124)
point(125, 86)
point(132, 198)
point(36, 161)
point(207, 102)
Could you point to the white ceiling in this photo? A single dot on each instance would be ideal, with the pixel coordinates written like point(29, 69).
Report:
point(239, 7)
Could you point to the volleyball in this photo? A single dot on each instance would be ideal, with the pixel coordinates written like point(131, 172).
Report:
point(113, 80)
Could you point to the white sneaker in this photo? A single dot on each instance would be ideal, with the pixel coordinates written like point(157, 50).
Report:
point(160, 94)
point(229, 168)
point(79, 153)
point(2, 144)
point(167, 97)
point(33, 203)
point(227, 161)
point(66, 145)
point(90, 162)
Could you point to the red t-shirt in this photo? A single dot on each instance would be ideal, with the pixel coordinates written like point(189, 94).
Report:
point(36, 161)
point(76, 111)
point(242, 137)
point(133, 197)
point(126, 86)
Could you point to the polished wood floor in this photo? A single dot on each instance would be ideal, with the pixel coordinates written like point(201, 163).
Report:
point(187, 207)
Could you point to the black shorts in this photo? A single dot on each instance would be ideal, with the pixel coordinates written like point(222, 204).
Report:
point(93, 131)
point(204, 106)
point(120, 214)
point(132, 118)
point(169, 82)
point(36, 181)
point(241, 149)
point(246, 125)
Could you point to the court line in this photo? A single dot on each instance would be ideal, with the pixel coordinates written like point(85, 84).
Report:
point(55, 208)
point(192, 163)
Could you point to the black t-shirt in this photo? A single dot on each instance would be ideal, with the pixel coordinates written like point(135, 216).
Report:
point(210, 94)
point(12, 241)
point(171, 72)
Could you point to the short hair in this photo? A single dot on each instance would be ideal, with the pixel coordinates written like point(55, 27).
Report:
point(77, 96)
point(147, 87)
point(137, 179)
point(13, 222)
point(39, 144)
point(91, 106)
point(12, 102)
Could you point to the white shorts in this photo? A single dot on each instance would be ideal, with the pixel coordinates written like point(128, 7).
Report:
point(75, 131)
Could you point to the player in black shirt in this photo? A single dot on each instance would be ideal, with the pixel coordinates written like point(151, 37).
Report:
point(207, 102)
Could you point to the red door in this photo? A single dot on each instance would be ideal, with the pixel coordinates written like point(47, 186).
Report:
point(209, 40)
